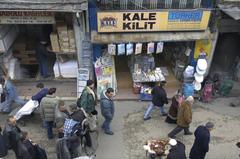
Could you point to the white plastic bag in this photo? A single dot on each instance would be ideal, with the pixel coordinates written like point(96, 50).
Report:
point(121, 49)
point(27, 109)
point(129, 49)
point(159, 47)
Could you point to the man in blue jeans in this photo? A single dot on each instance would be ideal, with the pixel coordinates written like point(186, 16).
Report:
point(159, 98)
point(107, 109)
point(10, 95)
point(47, 110)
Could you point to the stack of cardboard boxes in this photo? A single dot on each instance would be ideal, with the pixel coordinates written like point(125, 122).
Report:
point(63, 40)
point(72, 43)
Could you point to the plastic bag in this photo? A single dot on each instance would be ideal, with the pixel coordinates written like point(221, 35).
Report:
point(129, 49)
point(121, 49)
point(138, 49)
point(112, 49)
point(150, 49)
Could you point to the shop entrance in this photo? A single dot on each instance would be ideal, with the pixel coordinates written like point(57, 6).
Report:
point(124, 77)
point(40, 51)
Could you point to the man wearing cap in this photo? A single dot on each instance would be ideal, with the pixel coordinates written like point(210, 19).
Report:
point(159, 98)
point(201, 143)
point(177, 150)
point(184, 118)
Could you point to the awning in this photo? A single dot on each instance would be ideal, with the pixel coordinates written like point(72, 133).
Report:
point(147, 37)
point(231, 9)
point(44, 5)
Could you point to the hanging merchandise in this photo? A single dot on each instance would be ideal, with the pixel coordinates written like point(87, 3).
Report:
point(159, 47)
point(188, 51)
point(129, 49)
point(197, 86)
point(121, 49)
point(201, 66)
point(188, 72)
point(150, 49)
point(112, 49)
point(138, 49)
point(198, 78)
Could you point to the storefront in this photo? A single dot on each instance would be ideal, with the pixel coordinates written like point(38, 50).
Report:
point(24, 26)
point(148, 47)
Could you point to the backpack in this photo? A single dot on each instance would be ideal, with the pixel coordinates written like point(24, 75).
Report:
point(207, 92)
point(78, 129)
point(68, 126)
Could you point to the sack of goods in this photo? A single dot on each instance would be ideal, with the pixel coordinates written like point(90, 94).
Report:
point(157, 147)
point(188, 89)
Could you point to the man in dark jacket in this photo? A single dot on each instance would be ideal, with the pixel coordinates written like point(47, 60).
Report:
point(43, 56)
point(159, 98)
point(12, 134)
point(42, 92)
point(201, 142)
point(3, 145)
point(107, 109)
point(177, 150)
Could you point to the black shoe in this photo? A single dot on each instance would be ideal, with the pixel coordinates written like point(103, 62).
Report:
point(172, 137)
point(188, 133)
point(164, 114)
point(147, 118)
point(109, 132)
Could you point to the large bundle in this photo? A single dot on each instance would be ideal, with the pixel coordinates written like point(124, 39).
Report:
point(157, 147)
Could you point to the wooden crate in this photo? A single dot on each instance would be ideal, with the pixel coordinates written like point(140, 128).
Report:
point(54, 42)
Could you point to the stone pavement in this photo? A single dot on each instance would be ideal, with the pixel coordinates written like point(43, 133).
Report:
point(131, 131)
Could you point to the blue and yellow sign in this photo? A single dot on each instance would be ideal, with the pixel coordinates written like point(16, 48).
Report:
point(153, 21)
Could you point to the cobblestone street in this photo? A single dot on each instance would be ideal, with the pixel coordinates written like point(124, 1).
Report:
point(131, 131)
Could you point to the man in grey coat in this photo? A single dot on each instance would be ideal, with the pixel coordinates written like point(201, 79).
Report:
point(47, 110)
point(107, 109)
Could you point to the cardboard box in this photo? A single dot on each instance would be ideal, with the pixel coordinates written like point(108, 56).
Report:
point(54, 42)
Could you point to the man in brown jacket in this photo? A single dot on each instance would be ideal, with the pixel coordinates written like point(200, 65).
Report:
point(184, 118)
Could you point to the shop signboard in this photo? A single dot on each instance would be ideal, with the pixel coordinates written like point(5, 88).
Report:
point(173, 20)
point(26, 17)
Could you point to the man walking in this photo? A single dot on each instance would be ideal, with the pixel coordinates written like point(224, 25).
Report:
point(201, 142)
point(42, 92)
point(88, 100)
point(184, 118)
point(11, 95)
point(107, 109)
point(159, 98)
point(47, 110)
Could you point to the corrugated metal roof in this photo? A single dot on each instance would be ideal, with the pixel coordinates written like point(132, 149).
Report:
point(232, 9)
